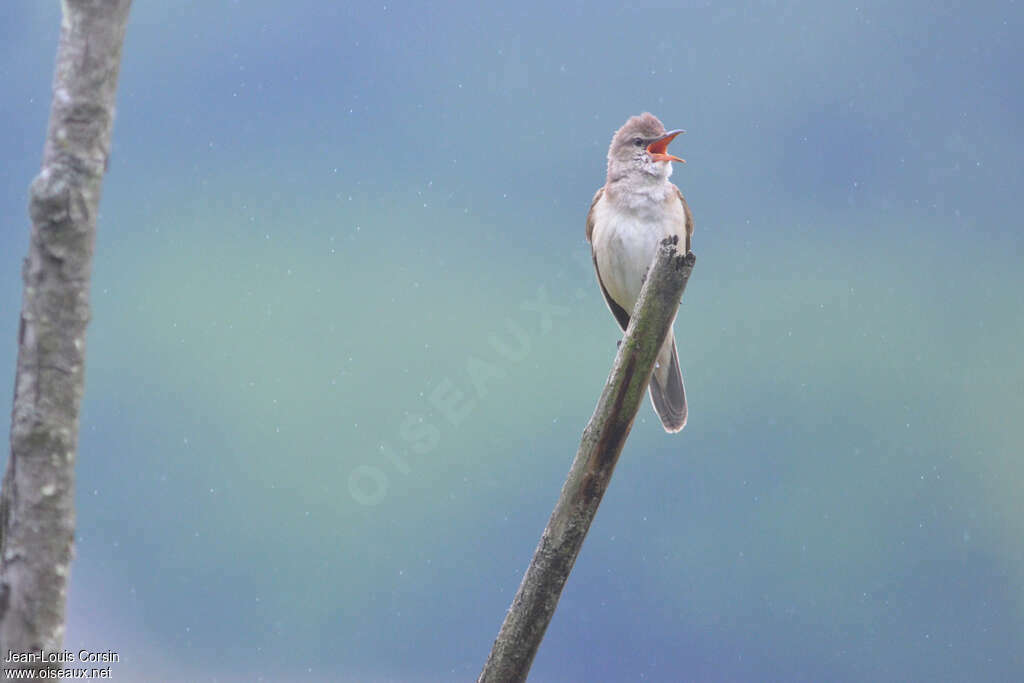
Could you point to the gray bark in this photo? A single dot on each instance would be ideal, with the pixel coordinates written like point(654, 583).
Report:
point(591, 471)
point(37, 515)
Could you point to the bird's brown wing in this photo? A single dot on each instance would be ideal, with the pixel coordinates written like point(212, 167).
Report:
point(689, 217)
point(590, 214)
point(621, 315)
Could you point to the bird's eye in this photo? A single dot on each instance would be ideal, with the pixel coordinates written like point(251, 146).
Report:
point(638, 141)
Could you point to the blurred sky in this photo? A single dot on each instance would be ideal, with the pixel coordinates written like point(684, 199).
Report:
point(321, 221)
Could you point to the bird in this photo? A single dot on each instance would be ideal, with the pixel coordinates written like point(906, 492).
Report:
point(629, 216)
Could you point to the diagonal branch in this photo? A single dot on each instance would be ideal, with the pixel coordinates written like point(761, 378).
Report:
point(37, 515)
point(591, 471)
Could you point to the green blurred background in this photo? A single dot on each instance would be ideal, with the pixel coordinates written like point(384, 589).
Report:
point(322, 222)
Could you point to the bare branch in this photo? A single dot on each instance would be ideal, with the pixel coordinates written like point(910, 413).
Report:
point(591, 471)
point(37, 516)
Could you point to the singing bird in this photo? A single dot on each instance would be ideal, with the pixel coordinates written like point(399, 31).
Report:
point(635, 210)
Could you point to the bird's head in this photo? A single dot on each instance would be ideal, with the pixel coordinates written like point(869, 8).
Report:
point(640, 146)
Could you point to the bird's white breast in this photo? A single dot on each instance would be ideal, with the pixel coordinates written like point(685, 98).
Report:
point(626, 236)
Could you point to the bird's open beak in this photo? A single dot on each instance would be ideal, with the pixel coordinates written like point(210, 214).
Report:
point(657, 148)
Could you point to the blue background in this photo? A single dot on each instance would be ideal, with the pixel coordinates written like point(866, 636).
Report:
point(321, 222)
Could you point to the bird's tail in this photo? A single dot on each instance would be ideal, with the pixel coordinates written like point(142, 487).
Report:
point(667, 393)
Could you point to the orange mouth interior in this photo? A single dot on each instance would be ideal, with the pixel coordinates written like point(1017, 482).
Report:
point(658, 149)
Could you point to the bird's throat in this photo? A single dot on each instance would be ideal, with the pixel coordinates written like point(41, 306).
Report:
point(640, 192)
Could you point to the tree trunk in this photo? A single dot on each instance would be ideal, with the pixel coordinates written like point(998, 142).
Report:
point(37, 515)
